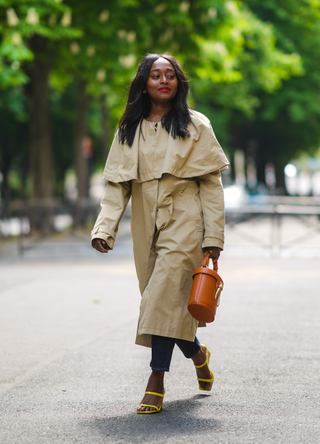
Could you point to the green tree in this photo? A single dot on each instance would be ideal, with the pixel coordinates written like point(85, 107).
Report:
point(31, 31)
point(96, 62)
point(230, 52)
point(288, 121)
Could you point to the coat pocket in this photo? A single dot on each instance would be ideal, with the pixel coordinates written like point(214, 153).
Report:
point(189, 202)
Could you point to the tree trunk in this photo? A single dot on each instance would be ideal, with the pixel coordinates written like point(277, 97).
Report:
point(5, 164)
point(280, 180)
point(81, 131)
point(105, 127)
point(261, 167)
point(40, 160)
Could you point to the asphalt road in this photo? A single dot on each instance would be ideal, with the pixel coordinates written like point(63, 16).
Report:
point(71, 373)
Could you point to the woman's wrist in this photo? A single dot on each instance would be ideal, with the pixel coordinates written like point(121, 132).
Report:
point(214, 252)
point(212, 248)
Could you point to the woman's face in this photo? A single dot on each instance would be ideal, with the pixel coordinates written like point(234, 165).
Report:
point(162, 84)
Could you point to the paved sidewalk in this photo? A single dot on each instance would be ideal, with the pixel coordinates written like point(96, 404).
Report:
point(70, 372)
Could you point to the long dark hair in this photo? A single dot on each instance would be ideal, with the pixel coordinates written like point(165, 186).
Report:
point(139, 104)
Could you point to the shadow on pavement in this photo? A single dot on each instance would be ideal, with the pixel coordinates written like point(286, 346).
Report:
point(177, 418)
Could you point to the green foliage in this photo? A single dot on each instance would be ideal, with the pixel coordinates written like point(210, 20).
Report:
point(288, 123)
point(19, 21)
point(253, 65)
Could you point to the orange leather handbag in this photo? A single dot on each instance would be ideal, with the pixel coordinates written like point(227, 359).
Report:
point(205, 293)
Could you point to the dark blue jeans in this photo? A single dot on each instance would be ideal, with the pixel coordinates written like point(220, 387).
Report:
point(162, 348)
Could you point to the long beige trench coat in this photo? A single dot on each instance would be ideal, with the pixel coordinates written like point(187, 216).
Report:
point(177, 209)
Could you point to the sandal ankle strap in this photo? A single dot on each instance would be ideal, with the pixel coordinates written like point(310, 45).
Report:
point(202, 365)
point(154, 393)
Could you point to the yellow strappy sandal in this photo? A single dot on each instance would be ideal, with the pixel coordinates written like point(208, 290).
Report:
point(156, 409)
point(202, 365)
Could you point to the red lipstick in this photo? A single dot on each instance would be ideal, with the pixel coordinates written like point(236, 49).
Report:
point(164, 88)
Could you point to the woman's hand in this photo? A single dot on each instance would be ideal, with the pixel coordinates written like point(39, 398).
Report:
point(214, 252)
point(100, 245)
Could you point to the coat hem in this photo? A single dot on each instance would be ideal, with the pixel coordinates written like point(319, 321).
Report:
point(144, 336)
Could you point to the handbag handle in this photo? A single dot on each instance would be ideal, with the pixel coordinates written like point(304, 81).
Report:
point(220, 281)
point(206, 261)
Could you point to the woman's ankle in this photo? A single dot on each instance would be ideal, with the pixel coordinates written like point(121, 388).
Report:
point(200, 357)
point(156, 381)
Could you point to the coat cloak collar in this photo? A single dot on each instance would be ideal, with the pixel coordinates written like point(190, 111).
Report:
point(193, 156)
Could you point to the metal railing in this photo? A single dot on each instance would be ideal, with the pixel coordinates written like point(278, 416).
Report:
point(36, 218)
point(275, 209)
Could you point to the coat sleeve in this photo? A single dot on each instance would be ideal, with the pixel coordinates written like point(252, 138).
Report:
point(113, 205)
point(212, 203)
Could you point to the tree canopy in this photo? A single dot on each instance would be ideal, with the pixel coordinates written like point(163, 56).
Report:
point(65, 66)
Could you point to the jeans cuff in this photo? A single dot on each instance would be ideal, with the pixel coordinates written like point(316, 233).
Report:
point(160, 369)
point(190, 357)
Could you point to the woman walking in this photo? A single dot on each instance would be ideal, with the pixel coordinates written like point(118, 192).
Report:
point(166, 158)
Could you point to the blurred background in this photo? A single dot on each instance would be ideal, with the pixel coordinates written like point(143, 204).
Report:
point(65, 67)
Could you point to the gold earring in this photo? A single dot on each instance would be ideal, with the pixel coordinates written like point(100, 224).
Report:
point(144, 91)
